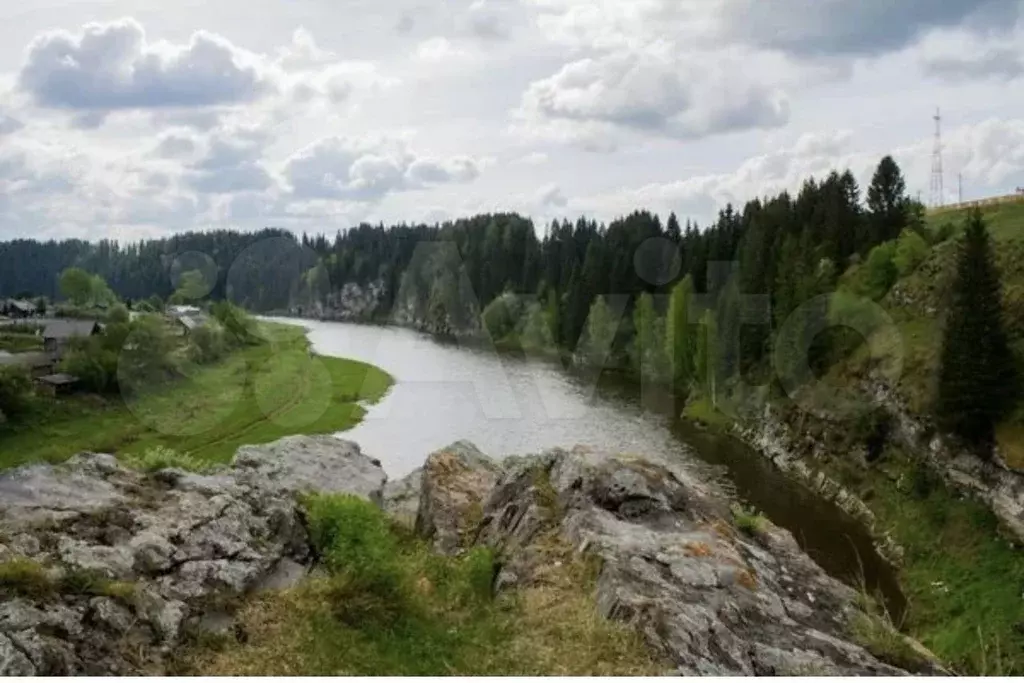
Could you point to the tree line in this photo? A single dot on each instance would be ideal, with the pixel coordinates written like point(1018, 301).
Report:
point(625, 294)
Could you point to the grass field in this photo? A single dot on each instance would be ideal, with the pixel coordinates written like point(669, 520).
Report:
point(257, 395)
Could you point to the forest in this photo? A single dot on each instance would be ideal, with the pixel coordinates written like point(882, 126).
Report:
point(626, 294)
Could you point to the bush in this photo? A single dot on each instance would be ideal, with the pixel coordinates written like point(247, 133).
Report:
point(118, 314)
point(880, 272)
point(92, 363)
point(16, 391)
point(911, 251)
point(748, 520)
point(239, 327)
point(355, 543)
point(207, 344)
point(502, 315)
point(163, 458)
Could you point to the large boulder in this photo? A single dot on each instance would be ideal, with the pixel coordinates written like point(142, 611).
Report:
point(708, 597)
point(454, 482)
point(103, 568)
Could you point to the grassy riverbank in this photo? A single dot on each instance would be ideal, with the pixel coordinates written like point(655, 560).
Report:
point(255, 395)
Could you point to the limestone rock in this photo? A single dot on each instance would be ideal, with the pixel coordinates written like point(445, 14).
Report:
point(714, 601)
point(455, 481)
point(161, 549)
point(298, 464)
point(402, 497)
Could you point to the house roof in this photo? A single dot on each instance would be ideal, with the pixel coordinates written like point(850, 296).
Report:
point(191, 322)
point(22, 305)
point(60, 379)
point(65, 329)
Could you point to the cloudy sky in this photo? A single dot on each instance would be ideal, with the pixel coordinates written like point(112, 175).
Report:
point(133, 119)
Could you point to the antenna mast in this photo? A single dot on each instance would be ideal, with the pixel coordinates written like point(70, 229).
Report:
point(937, 190)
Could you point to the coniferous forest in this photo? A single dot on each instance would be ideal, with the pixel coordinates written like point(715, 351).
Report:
point(680, 304)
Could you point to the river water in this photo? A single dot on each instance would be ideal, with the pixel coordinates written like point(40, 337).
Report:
point(507, 404)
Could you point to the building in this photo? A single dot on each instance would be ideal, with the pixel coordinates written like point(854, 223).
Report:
point(17, 308)
point(59, 332)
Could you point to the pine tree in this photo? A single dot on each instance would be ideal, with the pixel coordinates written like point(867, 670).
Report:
point(887, 202)
point(977, 380)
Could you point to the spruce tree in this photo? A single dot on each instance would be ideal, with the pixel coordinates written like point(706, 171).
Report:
point(977, 380)
point(887, 203)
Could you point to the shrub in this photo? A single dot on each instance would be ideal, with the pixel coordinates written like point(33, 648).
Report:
point(502, 315)
point(163, 458)
point(880, 272)
point(239, 327)
point(748, 520)
point(118, 314)
point(93, 364)
point(911, 251)
point(16, 391)
point(355, 543)
point(207, 344)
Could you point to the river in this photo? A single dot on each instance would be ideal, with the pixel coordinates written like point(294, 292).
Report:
point(506, 404)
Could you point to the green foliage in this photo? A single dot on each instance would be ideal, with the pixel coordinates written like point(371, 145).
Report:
point(887, 202)
point(16, 391)
point(879, 637)
point(76, 286)
point(911, 251)
point(748, 520)
point(502, 316)
point(192, 286)
point(679, 338)
point(704, 362)
point(207, 344)
point(648, 351)
point(880, 271)
point(118, 315)
point(22, 577)
point(536, 330)
point(596, 346)
point(93, 363)
point(239, 327)
point(978, 376)
point(163, 458)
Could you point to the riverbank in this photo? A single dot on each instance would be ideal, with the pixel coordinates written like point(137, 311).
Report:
point(287, 562)
point(961, 572)
point(257, 394)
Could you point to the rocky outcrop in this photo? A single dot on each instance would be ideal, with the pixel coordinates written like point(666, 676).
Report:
point(104, 569)
point(992, 482)
point(792, 453)
point(454, 482)
point(710, 599)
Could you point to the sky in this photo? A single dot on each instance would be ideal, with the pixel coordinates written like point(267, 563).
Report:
point(139, 119)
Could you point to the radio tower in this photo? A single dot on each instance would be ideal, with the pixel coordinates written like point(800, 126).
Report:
point(937, 191)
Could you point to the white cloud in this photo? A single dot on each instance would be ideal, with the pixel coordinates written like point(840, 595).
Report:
point(369, 170)
point(113, 66)
point(655, 91)
point(439, 49)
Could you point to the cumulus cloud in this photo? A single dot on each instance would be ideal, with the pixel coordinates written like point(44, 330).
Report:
point(173, 146)
point(9, 124)
point(367, 171)
point(231, 163)
point(826, 28)
point(113, 66)
point(551, 196)
point(959, 56)
point(655, 91)
point(438, 49)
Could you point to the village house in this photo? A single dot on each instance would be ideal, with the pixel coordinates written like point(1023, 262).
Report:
point(59, 332)
point(17, 308)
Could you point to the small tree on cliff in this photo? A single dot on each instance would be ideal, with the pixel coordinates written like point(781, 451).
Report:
point(977, 380)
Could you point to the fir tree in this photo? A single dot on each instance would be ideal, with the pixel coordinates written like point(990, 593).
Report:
point(977, 380)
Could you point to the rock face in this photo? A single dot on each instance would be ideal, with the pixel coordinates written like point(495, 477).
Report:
point(102, 568)
point(454, 483)
point(706, 596)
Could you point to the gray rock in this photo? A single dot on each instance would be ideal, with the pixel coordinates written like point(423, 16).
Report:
point(455, 481)
point(180, 543)
point(13, 661)
point(402, 497)
point(709, 599)
point(109, 614)
point(299, 464)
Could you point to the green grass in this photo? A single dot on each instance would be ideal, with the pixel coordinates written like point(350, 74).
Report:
point(23, 577)
point(961, 577)
point(701, 410)
point(389, 606)
point(748, 520)
point(257, 395)
point(20, 343)
point(1004, 220)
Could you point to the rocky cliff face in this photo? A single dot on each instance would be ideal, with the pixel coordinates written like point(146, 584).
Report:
point(707, 597)
point(105, 570)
